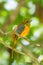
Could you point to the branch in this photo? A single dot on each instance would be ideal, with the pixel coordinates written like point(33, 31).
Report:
point(29, 53)
point(13, 15)
point(5, 33)
point(7, 46)
point(26, 51)
point(31, 42)
point(39, 12)
point(37, 44)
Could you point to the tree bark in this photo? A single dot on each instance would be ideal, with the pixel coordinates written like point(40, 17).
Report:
point(39, 12)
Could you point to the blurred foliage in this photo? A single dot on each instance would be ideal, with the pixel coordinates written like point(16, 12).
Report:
point(35, 35)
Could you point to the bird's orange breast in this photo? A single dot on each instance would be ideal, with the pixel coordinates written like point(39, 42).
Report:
point(25, 31)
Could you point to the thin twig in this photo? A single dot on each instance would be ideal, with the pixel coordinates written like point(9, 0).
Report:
point(29, 53)
point(6, 45)
point(5, 33)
